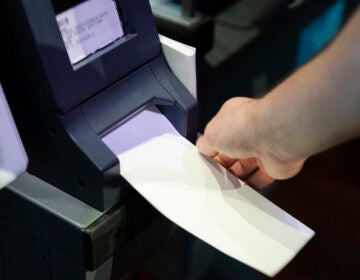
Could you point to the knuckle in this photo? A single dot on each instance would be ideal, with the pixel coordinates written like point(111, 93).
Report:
point(210, 134)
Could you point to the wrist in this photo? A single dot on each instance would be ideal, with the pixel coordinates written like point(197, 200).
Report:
point(274, 134)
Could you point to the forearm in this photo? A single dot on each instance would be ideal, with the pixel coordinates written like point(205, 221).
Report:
point(314, 109)
point(317, 107)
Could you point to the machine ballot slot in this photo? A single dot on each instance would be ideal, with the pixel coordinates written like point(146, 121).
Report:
point(88, 26)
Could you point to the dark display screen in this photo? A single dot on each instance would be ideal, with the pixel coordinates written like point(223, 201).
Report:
point(63, 5)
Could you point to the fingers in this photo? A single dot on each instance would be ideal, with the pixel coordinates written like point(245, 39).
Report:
point(240, 168)
point(259, 180)
point(204, 148)
point(237, 142)
point(223, 136)
point(244, 167)
point(225, 160)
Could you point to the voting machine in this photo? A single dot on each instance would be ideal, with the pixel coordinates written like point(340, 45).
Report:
point(72, 72)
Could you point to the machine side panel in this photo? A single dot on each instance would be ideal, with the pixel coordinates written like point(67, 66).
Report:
point(23, 257)
point(13, 159)
point(44, 230)
point(184, 114)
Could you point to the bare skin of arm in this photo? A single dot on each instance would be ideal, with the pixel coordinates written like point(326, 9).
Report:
point(316, 108)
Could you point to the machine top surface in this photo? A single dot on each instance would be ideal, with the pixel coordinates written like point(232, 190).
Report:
point(55, 200)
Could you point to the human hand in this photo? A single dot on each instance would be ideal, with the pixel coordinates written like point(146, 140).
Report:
point(235, 139)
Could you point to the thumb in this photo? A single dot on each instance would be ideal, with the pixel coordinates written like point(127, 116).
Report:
point(204, 148)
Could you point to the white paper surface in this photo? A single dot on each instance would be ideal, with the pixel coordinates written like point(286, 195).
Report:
point(182, 61)
point(88, 27)
point(205, 199)
point(144, 126)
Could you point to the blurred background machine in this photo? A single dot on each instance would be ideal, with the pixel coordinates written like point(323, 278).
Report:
point(248, 46)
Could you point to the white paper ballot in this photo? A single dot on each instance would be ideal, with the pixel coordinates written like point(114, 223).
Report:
point(206, 200)
point(182, 62)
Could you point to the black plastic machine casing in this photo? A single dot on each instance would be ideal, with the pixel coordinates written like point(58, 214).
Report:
point(62, 110)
